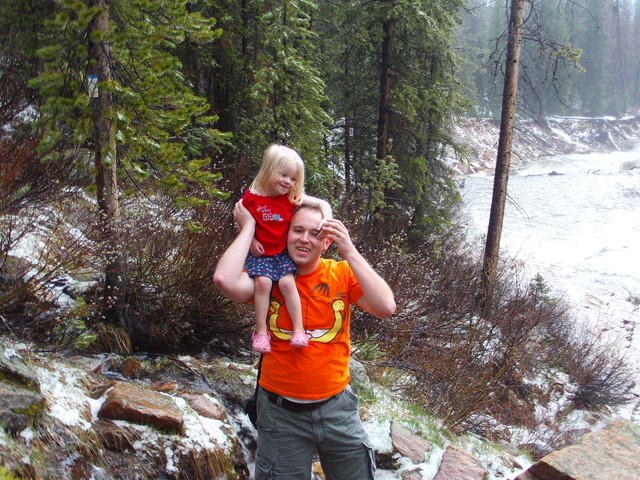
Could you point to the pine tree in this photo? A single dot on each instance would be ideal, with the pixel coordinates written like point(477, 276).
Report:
point(394, 95)
point(138, 115)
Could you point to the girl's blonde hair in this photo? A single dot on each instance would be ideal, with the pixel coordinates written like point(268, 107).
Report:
point(274, 159)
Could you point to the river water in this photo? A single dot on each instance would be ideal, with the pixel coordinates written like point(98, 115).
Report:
point(575, 220)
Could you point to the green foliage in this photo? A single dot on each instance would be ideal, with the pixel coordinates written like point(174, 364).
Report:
point(405, 191)
point(541, 289)
point(575, 57)
point(155, 107)
point(7, 475)
point(74, 329)
point(287, 91)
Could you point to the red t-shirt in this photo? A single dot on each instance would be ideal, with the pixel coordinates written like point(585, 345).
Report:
point(272, 215)
point(321, 369)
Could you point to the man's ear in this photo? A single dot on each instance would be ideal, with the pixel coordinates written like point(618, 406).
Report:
point(327, 244)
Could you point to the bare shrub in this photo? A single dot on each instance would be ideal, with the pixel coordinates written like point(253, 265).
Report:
point(28, 188)
point(467, 369)
point(172, 300)
point(598, 367)
point(41, 247)
point(26, 182)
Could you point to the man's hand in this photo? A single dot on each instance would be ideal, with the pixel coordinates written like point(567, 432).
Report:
point(242, 216)
point(336, 231)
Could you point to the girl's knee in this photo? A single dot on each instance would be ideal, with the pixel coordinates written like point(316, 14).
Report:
point(287, 283)
point(263, 283)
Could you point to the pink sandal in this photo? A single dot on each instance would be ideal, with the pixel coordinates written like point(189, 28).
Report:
point(261, 342)
point(300, 339)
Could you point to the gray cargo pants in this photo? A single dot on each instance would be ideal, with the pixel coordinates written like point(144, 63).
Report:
point(287, 439)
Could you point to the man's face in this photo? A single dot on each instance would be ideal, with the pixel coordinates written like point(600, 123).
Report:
point(303, 244)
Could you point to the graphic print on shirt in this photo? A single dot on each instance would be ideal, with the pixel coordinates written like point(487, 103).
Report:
point(267, 215)
point(333, 312)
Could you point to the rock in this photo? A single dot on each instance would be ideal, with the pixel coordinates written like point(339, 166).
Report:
point(20, 398)
point(411, 475)
point(202, 405)
point(610, 453)
point(13, 369)
point(359, 377)
point(408, 444)
point(126, 401)
point(130, 367)
point(459, 465)
point(19, 407)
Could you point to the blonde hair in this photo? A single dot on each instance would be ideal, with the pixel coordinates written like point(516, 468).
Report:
point(274, 159)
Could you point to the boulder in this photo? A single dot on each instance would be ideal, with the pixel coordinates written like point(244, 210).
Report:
point(610, 453)
point(127, 401)
point(19, 407)
point(20, 398)
point(409, 444)
point(202, 405)
point(459, 465)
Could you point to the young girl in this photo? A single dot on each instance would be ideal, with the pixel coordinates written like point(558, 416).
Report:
point(272, 197)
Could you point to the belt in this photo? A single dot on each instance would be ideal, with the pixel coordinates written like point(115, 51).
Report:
point(294, 406)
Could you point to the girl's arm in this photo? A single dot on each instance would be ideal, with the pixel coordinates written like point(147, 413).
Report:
point(323, 205)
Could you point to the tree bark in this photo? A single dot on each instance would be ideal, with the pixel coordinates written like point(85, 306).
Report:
point(503, 161)
point(106, 170)
point(385, 89)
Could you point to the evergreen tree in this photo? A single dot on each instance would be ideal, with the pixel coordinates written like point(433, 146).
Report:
point(287, 89)
point(137, 116)
point(394, 95)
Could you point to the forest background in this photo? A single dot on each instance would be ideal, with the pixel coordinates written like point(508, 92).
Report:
point(131, 128)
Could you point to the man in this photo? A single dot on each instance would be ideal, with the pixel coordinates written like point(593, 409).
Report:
point(304, 401)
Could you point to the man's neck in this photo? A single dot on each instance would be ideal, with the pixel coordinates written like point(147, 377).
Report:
point(309, 268)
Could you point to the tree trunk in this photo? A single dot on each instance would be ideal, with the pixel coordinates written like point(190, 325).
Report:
point(348, 130)
point(382, 141)
point(106, 170)
point(503, 161)
point(385, 89)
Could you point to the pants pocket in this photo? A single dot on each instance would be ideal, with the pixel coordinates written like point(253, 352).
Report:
point(264, 468)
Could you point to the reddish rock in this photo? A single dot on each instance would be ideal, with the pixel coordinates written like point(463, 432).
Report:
point(459, 465)
point(409, 444)
point(129, 402)
point(607, 454)
point(163, 386)
point(130, 368)
point(411, 475)
point(202, 405)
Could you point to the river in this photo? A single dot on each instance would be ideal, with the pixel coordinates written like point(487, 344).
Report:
point(575, 220)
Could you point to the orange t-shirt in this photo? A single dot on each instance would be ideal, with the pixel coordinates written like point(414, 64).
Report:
point(321, 369)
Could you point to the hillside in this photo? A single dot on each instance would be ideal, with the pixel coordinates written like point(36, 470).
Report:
point(75, 413)
point(560, 135)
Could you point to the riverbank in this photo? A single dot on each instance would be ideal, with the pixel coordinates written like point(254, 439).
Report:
point(572, 217)
point(559, 135)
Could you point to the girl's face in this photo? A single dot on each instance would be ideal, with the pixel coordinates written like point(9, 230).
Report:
point(284, 181)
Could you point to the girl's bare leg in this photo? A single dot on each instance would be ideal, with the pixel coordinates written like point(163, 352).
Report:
point(287, 284)
point(261, 303)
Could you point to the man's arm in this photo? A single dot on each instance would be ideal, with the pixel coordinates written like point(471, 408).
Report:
point(229, 277)
point(377, 297)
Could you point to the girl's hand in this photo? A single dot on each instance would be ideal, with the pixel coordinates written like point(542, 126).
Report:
point(257, 250)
